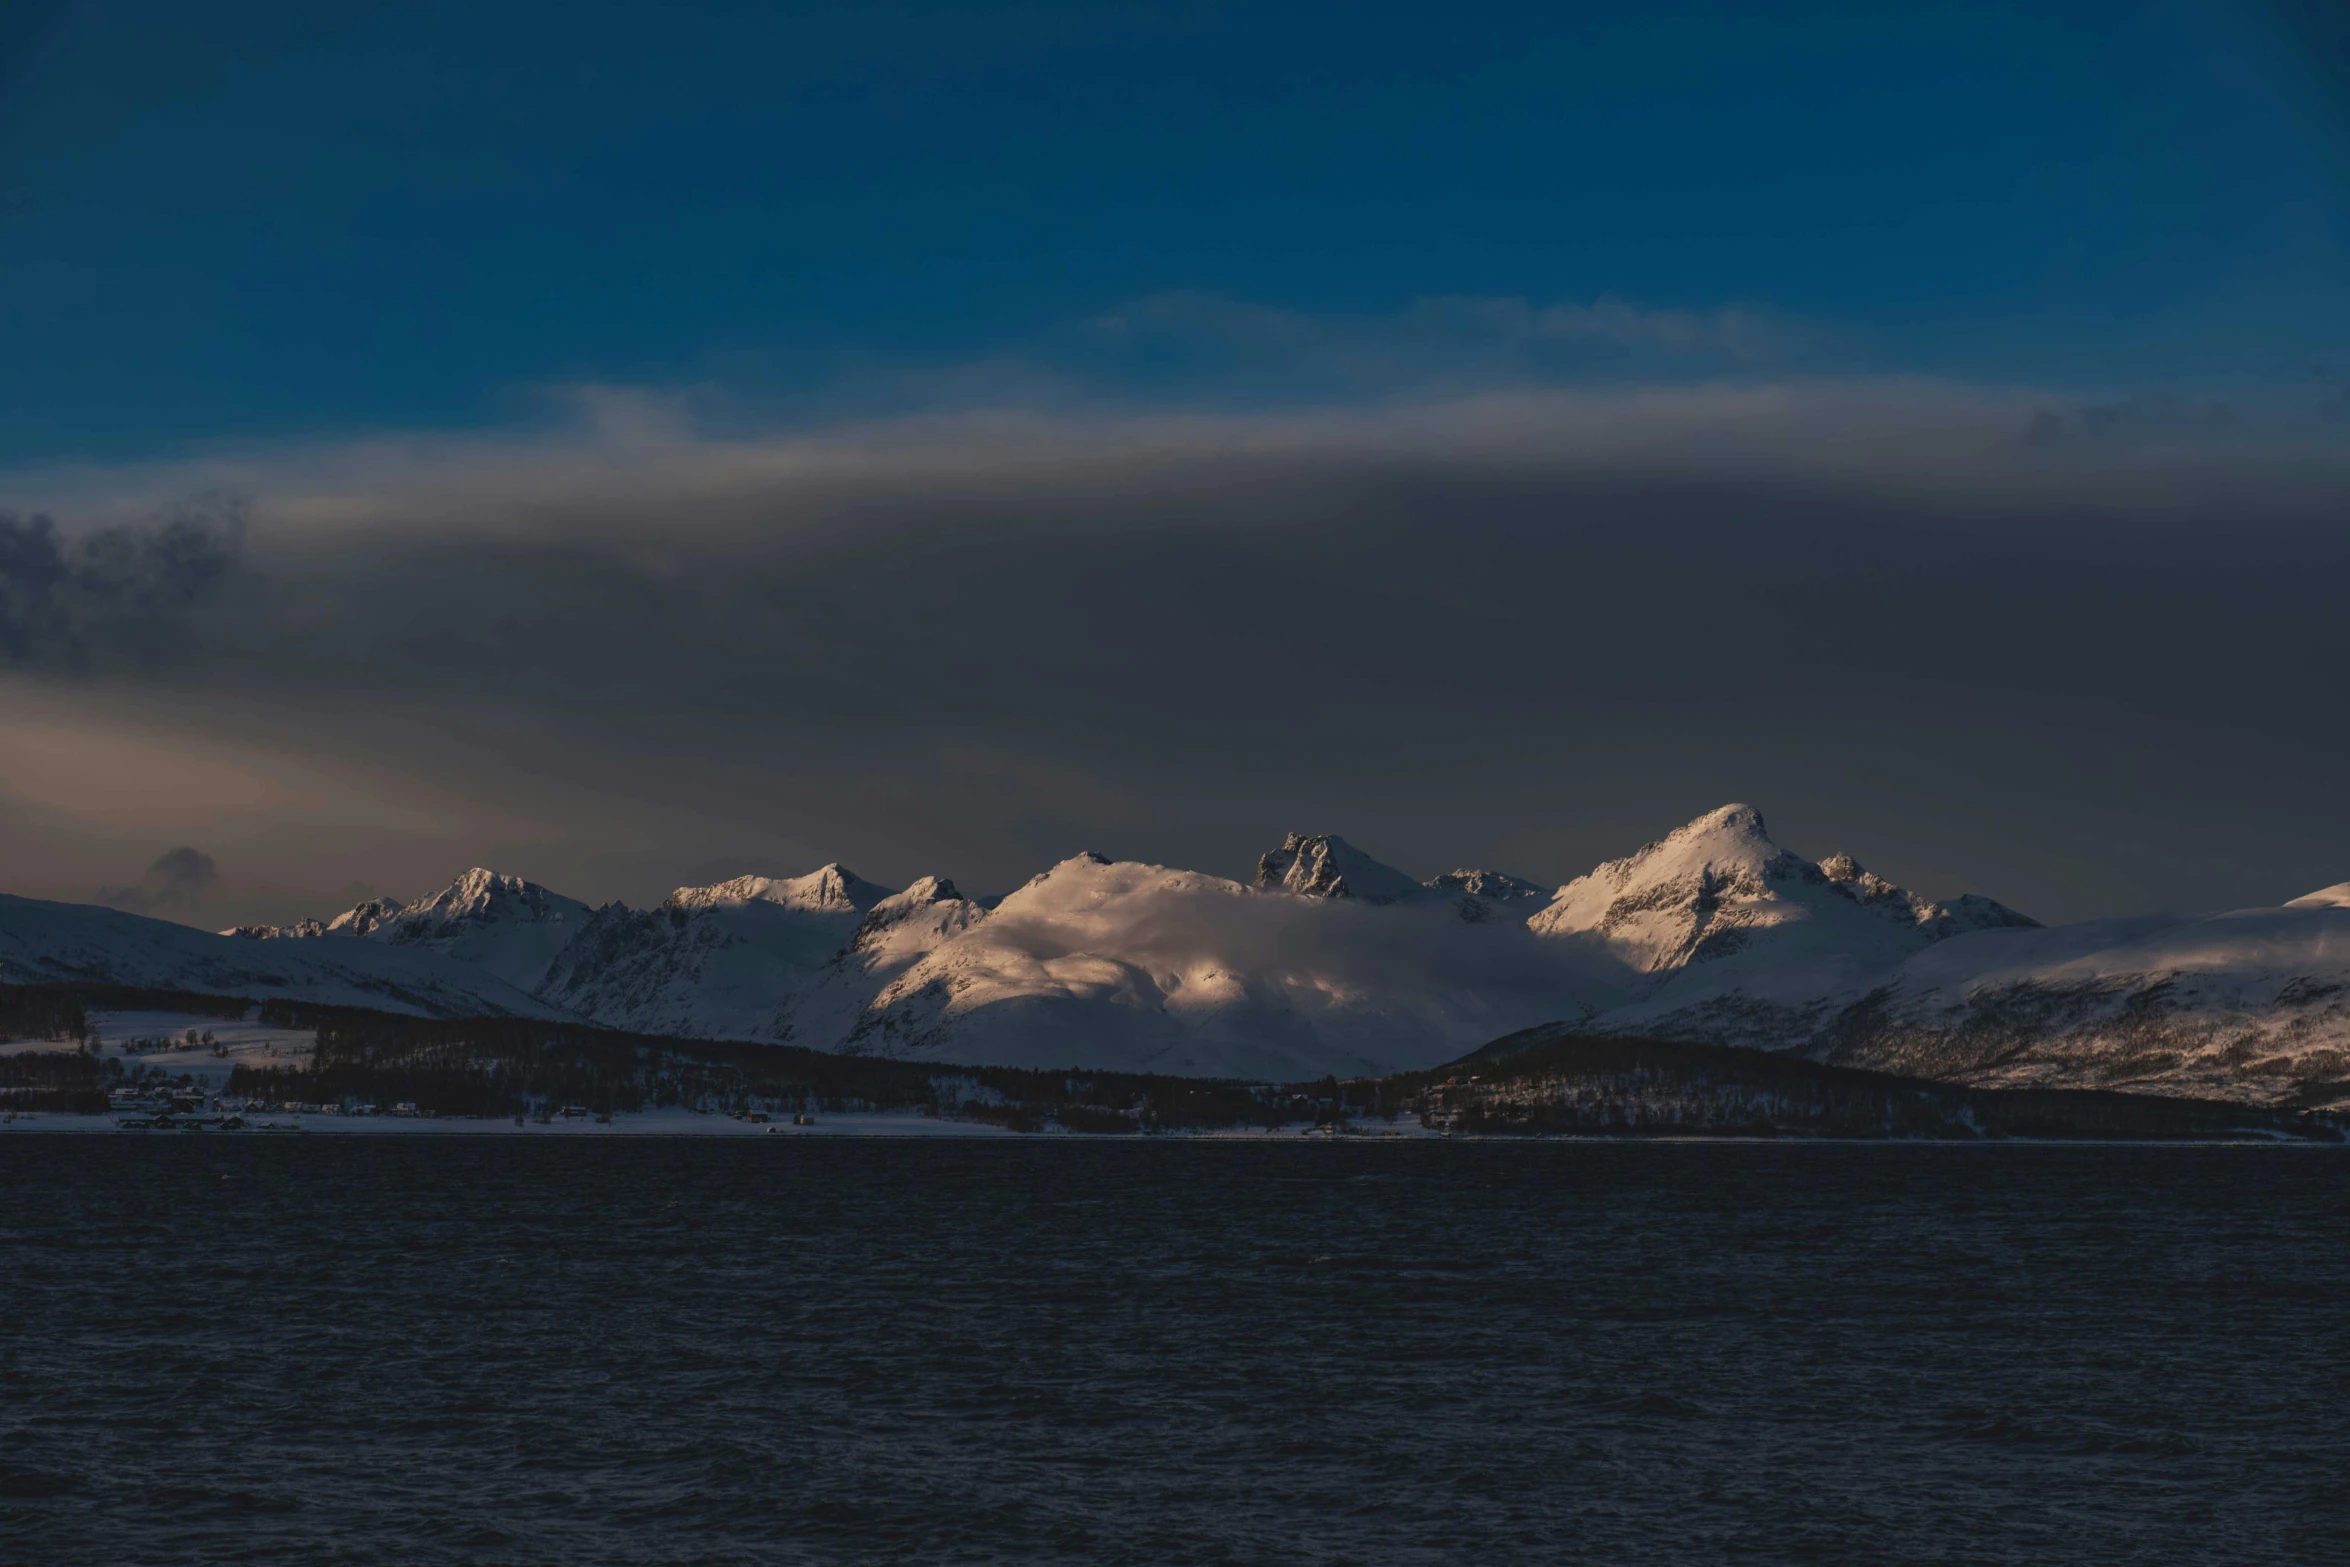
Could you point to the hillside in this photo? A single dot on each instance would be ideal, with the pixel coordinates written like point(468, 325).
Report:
point(1329, 961)
point(44, 942)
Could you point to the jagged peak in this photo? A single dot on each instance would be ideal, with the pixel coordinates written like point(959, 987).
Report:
point(1848, 876)
point(479, 890)
point(1972, 911)
point(930, 889)
point(934, 897)
point(1082, 860)
point(1727, 846)
point(1324, 865)
point(1495, 886)
point(1718, 884)
point(295, 931)
point(1968, 911)
point(830, 887)
point(1482, 896)
point(364, 916)
point(833, 880)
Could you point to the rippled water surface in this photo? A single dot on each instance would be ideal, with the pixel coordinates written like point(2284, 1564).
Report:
point(424, 1350)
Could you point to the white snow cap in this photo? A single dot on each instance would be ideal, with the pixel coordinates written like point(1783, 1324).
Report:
point(828, 888)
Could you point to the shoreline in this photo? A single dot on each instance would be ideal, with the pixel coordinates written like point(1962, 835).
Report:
point(873, 1125)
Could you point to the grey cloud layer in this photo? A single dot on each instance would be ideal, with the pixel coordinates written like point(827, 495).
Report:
point(1523, 629)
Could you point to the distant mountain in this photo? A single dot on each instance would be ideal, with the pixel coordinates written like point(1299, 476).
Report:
point(839, 1007)
point(512, 928)
point(1330, 962)
point(1737, 941)
point(1322, 866)
point(1103, 962)
point(1479, 896)
point(48, 943)
point(2252, 1005)
point(1748, 945)
point(713, 962)
point(507, 927)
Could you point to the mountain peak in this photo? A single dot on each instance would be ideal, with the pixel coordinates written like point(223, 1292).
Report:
point(484, 894)
point(1728, 821)
point(830, 888)
point(298, 930)
point(1487, 895)
point(363, 917)
point(1327, 866)
point(930, 909)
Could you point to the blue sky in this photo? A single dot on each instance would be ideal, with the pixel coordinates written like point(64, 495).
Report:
point(243, 221)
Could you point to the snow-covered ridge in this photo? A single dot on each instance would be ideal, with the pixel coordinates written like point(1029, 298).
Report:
point(1329, 961)
point(512, 928)
point(51, 943)
point(829, 889)
point(2251, 1004)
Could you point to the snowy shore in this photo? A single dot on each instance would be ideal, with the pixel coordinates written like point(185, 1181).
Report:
point(649, 1123)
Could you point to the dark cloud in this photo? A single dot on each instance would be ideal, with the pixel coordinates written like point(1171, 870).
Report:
point(115, 594)
point(178, 881)
point(1526, 634)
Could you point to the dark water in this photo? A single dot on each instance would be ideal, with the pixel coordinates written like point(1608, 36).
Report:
point(424, 1350)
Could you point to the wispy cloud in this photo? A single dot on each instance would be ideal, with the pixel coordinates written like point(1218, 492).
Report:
point(638, 471)
point(1211, 345)
point(1439, 332)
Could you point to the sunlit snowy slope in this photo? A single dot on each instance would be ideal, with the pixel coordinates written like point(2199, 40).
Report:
point(2253, 1004)
point(1174, 971)
point(1737, 941)
point(1326, 961)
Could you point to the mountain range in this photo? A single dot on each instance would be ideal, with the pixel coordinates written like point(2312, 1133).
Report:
point(1326, 961)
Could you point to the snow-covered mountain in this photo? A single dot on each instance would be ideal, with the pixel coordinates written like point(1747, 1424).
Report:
point(1749, 945)
point(2253, 1004)
point(1103, 962)
point(835, 1008)
point(60, 942)
point(714, 962)
point(1327, 961)
point(1325, 866)
point(1738, 941)
point(512, 928)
